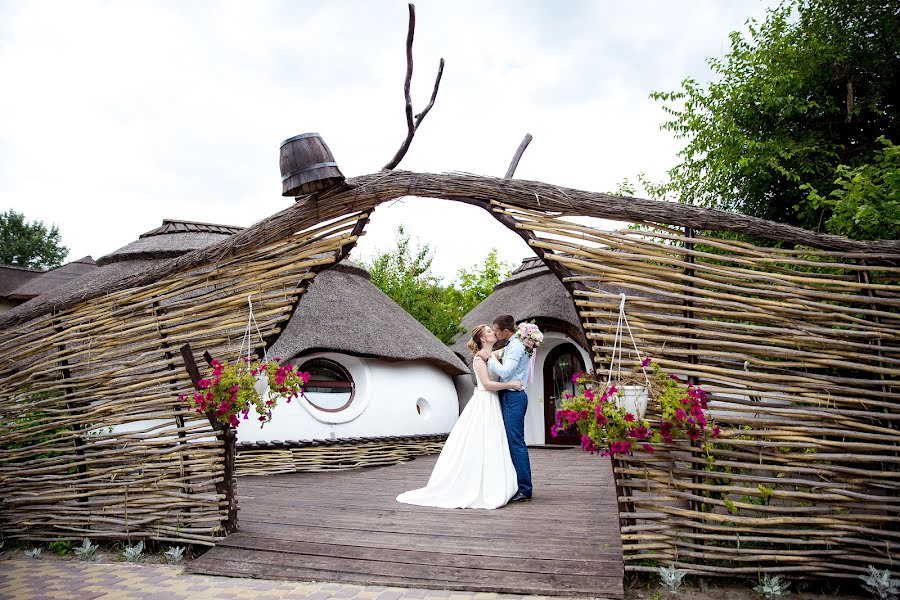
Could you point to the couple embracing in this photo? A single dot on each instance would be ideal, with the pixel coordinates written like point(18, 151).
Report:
point(484, 462)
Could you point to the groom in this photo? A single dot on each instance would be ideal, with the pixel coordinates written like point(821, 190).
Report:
point(514, 366)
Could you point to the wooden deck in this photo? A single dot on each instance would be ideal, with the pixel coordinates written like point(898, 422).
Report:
point(347, 526)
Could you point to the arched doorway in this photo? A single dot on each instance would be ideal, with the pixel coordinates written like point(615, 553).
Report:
point(561, 363)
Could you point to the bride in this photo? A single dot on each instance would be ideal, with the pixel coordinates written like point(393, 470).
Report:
point(474, 469)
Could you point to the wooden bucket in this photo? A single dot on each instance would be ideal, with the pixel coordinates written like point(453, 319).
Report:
point(307, 166)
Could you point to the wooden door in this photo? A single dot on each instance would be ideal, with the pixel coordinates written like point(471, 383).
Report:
point(561, 363)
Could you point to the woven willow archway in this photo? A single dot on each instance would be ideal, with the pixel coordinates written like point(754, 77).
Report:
point(802, 344)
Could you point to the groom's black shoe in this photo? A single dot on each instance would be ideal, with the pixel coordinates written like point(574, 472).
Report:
point(520, 497)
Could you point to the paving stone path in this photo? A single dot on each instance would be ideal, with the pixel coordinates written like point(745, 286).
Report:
point(42, 579)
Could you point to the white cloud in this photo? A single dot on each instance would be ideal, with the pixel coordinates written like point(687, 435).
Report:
point(114, 116)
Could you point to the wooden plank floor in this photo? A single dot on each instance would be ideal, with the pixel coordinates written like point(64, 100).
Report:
point(347, 526)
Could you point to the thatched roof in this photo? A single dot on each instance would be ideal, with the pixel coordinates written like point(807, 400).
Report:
point(53, 279)
point(12, 276)
point(173, 238)
point(532, 291)
point(343, 311)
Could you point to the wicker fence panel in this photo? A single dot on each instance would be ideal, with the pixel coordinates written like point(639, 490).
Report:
point(332, 455)
point(94, 441)
point(800, 351)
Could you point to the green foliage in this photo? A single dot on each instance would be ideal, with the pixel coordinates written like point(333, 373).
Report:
point(175, 554)
point(134, 553)
point(772, 587)
point(866, 203)
point(61, 547)
point(476, 283)
point(36, 422)
point(87, 551)
point(803, 96)
point(880, 584)
point(404, 274)
point(671, 577)
point(29, 244)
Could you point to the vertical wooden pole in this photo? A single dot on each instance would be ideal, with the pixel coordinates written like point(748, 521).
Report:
point(78, 430)
point(696, 506)
point(227, 486)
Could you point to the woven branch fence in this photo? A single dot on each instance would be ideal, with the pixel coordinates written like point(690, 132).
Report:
point(94, 441)
point(800, 351)
point(270, 458)
point(798, 346)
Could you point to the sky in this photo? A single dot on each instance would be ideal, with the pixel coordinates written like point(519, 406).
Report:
point(116, 115)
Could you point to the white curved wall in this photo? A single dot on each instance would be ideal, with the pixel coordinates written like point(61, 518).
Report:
point(384, 404)
point(534, 416)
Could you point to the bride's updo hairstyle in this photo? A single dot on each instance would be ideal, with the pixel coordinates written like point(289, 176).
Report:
point(476, 342)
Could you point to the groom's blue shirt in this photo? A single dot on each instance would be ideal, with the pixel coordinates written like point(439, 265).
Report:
point(515, 363)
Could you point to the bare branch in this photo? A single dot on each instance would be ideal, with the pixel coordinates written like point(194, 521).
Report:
point(437, 83)
point(518, 156)
point(412, 123)
point(407, 94)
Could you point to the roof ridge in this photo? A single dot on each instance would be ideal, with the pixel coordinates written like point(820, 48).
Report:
point(170, 226)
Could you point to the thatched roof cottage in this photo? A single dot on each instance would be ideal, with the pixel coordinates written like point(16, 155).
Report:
point(11, 277)
point(376, 370)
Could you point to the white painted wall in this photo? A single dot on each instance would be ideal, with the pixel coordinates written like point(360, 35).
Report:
point(384, 404)
point(534, 416)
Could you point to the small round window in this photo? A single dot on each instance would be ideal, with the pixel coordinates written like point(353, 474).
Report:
point(330, 387)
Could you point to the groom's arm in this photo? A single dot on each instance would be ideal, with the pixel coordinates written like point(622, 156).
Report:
point(511, 357)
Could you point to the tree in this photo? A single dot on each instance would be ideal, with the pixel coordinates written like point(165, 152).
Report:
point(477, 283)
point(404, 274)
point(797, 104)
point(866, 203)
point(29, 244)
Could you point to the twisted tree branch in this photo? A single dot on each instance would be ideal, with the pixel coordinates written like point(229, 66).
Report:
point(412, 123)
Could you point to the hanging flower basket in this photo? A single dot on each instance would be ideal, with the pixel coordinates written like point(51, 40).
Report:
point(611, 415)
point(232, 390)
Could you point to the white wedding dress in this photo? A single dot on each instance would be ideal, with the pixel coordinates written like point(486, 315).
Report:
point(474, 469)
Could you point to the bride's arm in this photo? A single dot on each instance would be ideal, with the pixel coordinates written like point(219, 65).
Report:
point(493, 386)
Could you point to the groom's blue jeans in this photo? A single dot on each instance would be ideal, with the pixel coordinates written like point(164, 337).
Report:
point(513, 405)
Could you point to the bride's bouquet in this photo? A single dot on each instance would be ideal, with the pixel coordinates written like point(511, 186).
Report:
point(531, 336)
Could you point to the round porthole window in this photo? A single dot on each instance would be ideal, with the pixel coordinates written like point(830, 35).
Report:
point(330, 387)
point(423, 408)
